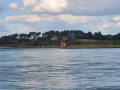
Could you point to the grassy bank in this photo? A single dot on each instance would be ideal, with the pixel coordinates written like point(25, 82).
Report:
point(72, 46)
point(10, 47)
point(79, 43)
point(86, 43)
point(94, 46)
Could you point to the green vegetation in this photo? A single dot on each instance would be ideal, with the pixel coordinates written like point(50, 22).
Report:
point(54, 39)
point(73, 39)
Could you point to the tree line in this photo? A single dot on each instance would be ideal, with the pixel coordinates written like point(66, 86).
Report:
point(53, 37)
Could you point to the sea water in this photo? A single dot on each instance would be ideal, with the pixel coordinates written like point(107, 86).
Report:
point(60, 69)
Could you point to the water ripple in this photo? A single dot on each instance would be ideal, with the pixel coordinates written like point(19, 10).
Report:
point(59, 69)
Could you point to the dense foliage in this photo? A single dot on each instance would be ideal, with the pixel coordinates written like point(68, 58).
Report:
point(53, 38)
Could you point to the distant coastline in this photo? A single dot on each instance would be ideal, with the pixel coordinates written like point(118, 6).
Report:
point(68, 47)
point(7, 47)
point(57, 39)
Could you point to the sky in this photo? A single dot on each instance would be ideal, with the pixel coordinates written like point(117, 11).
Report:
point(24, 16)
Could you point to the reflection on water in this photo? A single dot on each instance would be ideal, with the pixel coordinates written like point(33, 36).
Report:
point(52, 68)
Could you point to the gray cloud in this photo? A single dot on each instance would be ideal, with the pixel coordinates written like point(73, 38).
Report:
point(94, 7)
point(62, 22)
point(69, 19)
point(74, 7)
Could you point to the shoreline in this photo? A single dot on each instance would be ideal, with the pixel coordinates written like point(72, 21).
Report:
point(69, 47)
point(29, 47)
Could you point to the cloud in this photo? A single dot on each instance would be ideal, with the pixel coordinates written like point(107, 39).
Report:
point(28, 18)
point(65, 22)
point(94, 7)
point(108, 27)
point(112, 23)
point(15, 6)
point(69, 19)
point(66, 14)
point(2, 27)
point(74, 7)
point(25, 29)
point(43, 6)
point(44, 22)
point(116, 19)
